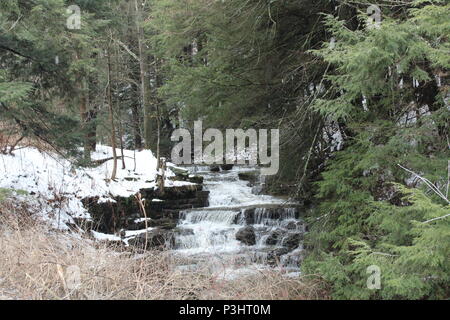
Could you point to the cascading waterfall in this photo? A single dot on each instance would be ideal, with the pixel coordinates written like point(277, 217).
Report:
point(267, 217)
point(211, 232)
point(208, 231)
point(219, 216)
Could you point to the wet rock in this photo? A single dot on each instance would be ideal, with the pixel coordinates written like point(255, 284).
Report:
point(226, 167)
point(258, 190)
point(270, 256)
point(274, 237)
point(274, 255)
point(292, 241)
point(249, 216)
point(295, 225)
point(247, 236)
point(165, 224)
point(109, 217)
point(184, 232)
point(251, 176)
point(292, 225)
point(178, 178)
point(214, 168)
point(195, 179)
point(294, 258)
point(155, 239)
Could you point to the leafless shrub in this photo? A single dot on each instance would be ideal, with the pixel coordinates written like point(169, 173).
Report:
point(12, 138)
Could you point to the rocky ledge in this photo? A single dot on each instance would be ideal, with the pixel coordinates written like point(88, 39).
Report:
point(159, 217)
point(162, 209)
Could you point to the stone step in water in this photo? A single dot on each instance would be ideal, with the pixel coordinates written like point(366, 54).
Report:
point(240, 227)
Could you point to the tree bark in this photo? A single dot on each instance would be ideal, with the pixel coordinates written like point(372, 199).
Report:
point(83, 104)
point(121, 145)
point(111, 119)
point(143, 78)
point(136, 125)
point(93, 112)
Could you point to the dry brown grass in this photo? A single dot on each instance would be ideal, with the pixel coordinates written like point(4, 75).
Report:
point(39, 263)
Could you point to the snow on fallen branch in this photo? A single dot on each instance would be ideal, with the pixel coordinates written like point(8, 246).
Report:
point(438, 218)
point(433, 188)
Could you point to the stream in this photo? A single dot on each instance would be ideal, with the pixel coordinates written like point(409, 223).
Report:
point(270, 228)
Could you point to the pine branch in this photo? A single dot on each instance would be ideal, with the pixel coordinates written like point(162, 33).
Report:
point(17, 53)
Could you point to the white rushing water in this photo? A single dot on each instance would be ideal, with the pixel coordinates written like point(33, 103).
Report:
point(227, 190)
point(209, 234)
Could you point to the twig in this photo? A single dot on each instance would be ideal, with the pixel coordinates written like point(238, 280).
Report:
point(438, 218)
point(102, 161)
point(385, 254)
point(432, 187)
point(428, 183)
point(123, 45)
point(142, 207)
point(55, 296)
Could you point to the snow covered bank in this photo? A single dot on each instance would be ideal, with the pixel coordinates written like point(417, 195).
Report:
point(58, 186)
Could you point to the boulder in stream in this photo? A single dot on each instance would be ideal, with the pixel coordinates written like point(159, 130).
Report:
point(292, 240)
point(195, 179)
point(247, 236)
point(184, 231)
point(295, 225)
point(214, 168)
point(251, 176)
point(274, 237)
point(274, 255)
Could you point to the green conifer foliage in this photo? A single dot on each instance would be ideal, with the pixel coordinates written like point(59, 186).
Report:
point(372, 209)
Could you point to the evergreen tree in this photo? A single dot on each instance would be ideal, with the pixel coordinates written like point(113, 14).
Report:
point(383, 199)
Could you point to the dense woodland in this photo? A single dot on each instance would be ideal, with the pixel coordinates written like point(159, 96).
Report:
point(362, 106)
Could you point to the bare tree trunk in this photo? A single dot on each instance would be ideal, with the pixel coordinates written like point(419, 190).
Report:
point(84, 115)
point(118, 110)
point(143, 77)
point(158, 143)
point(136, 126)
point(158, 121)
point(132, 40)
point(93, 111)
point(111, 119)
point(121, 145)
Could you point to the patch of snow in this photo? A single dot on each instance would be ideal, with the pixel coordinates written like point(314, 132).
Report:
point(105, 237)
point(141, 220)
point(132, 234)
point(106, 200)
point(59, 186)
